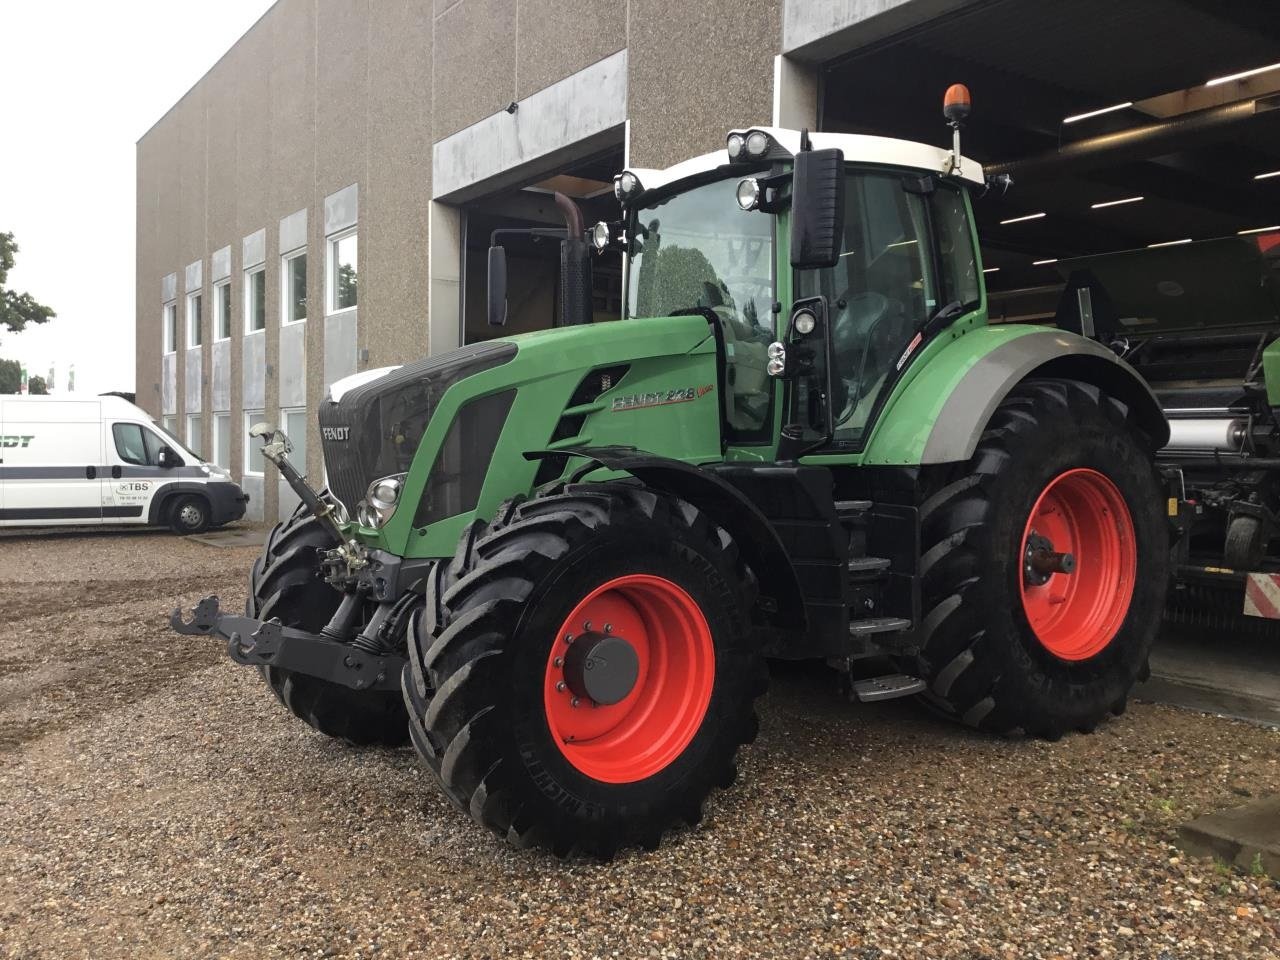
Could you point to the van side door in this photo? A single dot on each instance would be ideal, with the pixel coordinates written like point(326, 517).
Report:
point(52, 452)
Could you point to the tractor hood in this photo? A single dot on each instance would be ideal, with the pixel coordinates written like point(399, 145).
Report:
point(372, 426)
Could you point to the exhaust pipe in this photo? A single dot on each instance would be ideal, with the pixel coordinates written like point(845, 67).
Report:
point(575, 267)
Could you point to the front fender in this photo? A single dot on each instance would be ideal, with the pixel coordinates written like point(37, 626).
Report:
point(939, 415)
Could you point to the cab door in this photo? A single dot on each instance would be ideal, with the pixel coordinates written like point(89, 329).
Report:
point(132, 474)
point(52, 453)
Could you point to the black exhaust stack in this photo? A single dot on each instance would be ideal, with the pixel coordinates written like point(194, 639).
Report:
point(575, 267)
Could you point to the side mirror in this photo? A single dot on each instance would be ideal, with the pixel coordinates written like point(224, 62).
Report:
point(166, 459)
point(497, 286)
point(817, 209)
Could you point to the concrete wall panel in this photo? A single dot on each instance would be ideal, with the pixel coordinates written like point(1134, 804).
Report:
point(556, 38)
point(169, 386)
point(293, 365)
point(254, 372)
point(253, 487)
point(220, 387)
point(474, 57)
point(339, 346)
point(689, 85)
point(293, 231)
point(193, 383)
point(341, 209)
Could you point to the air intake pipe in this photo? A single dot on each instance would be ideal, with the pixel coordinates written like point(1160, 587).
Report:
point(575, 267)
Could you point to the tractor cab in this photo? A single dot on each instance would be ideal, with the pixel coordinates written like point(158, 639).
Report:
point(868, 242)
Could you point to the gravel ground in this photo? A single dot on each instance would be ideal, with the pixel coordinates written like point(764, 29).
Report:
point(157, 802)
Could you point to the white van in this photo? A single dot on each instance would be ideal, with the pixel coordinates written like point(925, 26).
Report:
point(100, 460)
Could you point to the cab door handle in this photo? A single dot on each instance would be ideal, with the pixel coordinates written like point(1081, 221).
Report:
point(91, 473)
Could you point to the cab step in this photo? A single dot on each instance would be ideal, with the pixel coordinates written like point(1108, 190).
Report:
point(852, 508)
point(866, 566)
point(888, 687)
point(861, 628)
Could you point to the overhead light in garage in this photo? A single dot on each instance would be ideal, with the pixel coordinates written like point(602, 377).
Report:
point(1241, 233)
point(1168, 243)
point(1242, 74)
point(1097, 113)
point(1115, 203)
point(1029, 216)
point(991, 270)
point(1267, 175)
point(1043, 263)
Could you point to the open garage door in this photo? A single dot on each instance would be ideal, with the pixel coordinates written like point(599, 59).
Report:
point(533, 262)
point(1123, 125)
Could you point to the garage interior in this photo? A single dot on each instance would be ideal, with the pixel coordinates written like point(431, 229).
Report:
point(533, 262)
point(1123, 126)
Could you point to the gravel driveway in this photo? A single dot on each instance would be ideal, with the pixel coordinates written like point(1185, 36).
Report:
point(157, 802)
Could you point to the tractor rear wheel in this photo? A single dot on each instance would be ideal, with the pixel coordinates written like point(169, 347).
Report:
point(286, 582)
point(1044, 565)
point(585, 669)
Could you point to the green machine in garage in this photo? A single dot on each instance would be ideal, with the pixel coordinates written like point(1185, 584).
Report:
point(558, 561)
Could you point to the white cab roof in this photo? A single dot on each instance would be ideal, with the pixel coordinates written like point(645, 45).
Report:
point(856, 147)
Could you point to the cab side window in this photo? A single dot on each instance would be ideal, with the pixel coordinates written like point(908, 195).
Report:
point(154, 444)
point(130, 444)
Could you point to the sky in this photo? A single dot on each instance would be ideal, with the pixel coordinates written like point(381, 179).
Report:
point(80, 82)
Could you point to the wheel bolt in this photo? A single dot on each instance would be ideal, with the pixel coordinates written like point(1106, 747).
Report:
point(573, 702)
point(608, 628)
point(586, 625)
point(560, 687)
point(558, 662)
point(568, 638)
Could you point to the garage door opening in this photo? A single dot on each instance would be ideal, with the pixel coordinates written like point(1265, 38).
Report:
point(533, 263)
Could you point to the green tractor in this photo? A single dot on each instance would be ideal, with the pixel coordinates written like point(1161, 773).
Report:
point(558, 562)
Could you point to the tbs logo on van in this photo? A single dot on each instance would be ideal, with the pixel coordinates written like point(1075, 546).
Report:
point(335, 433)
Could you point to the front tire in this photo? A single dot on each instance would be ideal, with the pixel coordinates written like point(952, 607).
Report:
point(1009, 647)
point(507, 718)
point(189, 514)
point(286, 582)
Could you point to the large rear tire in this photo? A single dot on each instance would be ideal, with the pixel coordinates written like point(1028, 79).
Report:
point(642, 589)
point(286, 582)
point(1061, 468)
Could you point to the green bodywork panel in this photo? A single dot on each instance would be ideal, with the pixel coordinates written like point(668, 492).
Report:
point(664, 355)
point(1271, 371)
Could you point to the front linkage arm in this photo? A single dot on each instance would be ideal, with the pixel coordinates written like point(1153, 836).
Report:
point(268, 643)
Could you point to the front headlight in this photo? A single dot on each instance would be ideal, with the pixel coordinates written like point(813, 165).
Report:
point(380, 501)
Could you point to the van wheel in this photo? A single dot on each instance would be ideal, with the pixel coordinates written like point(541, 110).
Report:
point(189, 514)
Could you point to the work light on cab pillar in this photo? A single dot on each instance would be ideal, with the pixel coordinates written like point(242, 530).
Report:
point(956, 104)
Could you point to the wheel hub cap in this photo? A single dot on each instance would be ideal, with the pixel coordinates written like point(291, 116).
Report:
point(602, 668)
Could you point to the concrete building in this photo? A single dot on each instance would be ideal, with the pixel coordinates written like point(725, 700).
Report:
point(320, 202)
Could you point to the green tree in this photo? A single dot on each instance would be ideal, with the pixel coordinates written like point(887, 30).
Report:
point(10, 376)
point(36, 387)
point(17, 309)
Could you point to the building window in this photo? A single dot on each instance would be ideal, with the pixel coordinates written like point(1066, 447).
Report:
point(294, 421)
point(222, 439)
point(293, 281)
point(170, 425)
point(255, 299)
point(193, 435)
point(252, 447)
point(170, 327)
point(195, 314)
point(222, 310)
point(343, 272)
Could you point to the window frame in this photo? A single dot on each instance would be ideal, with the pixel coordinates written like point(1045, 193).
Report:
point(286, 287)
point(223, 416)
point(250, 418)
point(195, 445)
point(219, 321)
point(331, 276)
point(284, 425)
point(169, 331)
point(195, 297)
point(249, 273)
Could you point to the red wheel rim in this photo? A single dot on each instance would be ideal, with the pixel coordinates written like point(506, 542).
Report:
point(1076, 615)
point(653, 724)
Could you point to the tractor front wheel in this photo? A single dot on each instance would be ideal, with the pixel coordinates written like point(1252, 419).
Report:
point(585, 669)
point(1044, 565)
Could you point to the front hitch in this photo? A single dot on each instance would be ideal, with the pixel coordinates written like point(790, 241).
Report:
point(267, 643)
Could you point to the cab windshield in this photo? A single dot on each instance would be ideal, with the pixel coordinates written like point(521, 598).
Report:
point(886, 286)
point(700, 251)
